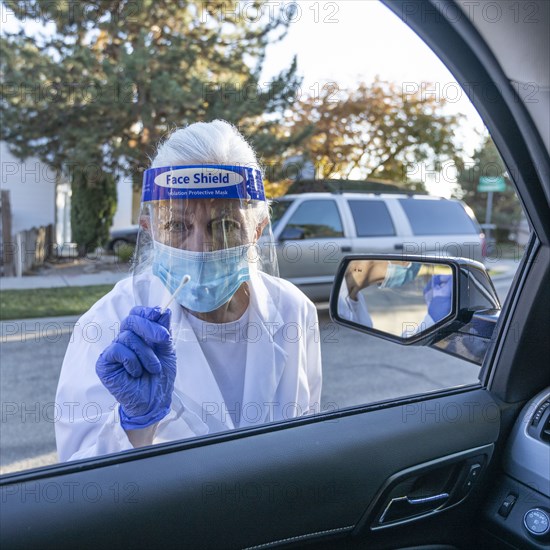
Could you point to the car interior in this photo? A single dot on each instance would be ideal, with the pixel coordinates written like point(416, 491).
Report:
point(458, 468)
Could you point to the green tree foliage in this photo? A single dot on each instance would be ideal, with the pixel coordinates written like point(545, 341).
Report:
point(374, 130)
point(487, 162)
point(93, 207)
point(108, 80)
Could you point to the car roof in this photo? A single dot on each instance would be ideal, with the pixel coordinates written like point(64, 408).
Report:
point(361, 196)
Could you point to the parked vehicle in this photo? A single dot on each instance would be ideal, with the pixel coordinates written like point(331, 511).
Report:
point(122, 237)
point(315, 230)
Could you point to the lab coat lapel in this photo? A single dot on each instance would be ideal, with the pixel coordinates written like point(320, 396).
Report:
point(265, 359)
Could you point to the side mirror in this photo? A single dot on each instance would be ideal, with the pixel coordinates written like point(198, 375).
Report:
point(449, 304)
point(291, 233)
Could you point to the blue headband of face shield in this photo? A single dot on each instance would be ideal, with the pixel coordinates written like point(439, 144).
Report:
point(214, 276)
point(202, 181)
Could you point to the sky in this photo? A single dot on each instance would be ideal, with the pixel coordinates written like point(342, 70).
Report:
point(349, 41)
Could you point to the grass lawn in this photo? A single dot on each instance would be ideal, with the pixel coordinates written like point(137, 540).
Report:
point(49, 302)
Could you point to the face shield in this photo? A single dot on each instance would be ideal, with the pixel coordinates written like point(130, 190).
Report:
point(204, 238)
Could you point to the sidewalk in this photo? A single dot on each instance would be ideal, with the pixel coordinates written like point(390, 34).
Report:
point(105, 270)
point(502, 268)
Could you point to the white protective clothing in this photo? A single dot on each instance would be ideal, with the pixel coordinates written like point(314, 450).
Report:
point(353, 310)
point(282, 376)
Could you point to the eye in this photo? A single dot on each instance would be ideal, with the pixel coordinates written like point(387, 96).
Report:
point(174, 226)
point(228, 225)
point(231, 225)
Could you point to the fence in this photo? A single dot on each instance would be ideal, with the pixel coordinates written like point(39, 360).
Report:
point(6, 257)
point(29, 249)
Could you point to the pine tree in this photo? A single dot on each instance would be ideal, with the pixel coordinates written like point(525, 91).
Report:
point(107, 80)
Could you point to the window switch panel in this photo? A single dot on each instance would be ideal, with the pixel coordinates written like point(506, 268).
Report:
point(507, 505)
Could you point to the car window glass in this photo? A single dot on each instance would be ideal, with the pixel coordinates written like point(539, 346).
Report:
point(394, 121)
point(278, 209)
point(317, 219)
point(437, 217)
point(371, 218)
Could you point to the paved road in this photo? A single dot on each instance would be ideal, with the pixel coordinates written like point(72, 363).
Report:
point(357, 368)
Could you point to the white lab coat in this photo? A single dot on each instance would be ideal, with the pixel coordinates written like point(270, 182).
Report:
point(358, 312)
point(353, 310)
point(282, 376)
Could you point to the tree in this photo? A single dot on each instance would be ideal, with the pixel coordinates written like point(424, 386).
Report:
point(108, 80)
point(93, 208)
point(486, 161)
point(373, 131)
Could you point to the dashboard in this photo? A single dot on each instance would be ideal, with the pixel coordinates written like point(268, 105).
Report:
point(517, 514)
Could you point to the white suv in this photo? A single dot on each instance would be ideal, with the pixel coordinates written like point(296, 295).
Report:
point(314, 231)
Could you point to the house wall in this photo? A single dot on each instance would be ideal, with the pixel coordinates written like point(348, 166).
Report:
point(34, 198)
point(123, 215)
point(32, 190)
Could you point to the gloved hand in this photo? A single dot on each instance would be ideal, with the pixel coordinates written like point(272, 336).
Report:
point(139, 367)
point(438, 294)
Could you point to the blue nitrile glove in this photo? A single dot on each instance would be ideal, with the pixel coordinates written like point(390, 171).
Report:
point(438, 293)
point(139, 367)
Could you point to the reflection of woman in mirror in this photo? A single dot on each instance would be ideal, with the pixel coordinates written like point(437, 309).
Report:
point(359, 275)
point(363, 273)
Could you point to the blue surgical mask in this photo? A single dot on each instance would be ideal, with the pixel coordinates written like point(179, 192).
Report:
point(215, 276)
point(399, 275)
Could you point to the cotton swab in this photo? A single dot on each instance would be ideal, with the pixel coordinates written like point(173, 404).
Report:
point(184, 281)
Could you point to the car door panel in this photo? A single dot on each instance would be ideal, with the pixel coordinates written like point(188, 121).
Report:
point(309, 481)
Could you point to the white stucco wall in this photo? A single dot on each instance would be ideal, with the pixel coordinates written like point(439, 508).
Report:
point(32, 190)
point(123, 215)
point(33, 197)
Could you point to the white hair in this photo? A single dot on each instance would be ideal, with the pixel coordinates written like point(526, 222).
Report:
point(217, 142)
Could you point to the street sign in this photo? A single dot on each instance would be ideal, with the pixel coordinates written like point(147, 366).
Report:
point(488, 183)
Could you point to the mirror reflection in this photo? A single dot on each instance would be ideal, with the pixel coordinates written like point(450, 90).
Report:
point(399, 298)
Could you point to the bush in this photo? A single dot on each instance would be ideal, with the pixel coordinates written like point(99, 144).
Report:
point(125, 253)
point(93, 206)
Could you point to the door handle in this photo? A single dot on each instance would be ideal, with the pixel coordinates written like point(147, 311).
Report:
point(398, 246)
point(345, 248)
point(404, 507)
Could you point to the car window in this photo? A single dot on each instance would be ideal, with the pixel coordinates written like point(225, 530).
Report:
point(371, 218)
point(437, 217)
point(317, 219)
point(409, 129)
point(278, 209)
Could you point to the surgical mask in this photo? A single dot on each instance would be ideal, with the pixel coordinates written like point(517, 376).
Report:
point(399, 275)
point(214, 276)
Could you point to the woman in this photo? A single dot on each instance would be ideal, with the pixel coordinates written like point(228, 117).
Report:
point(206, 336)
